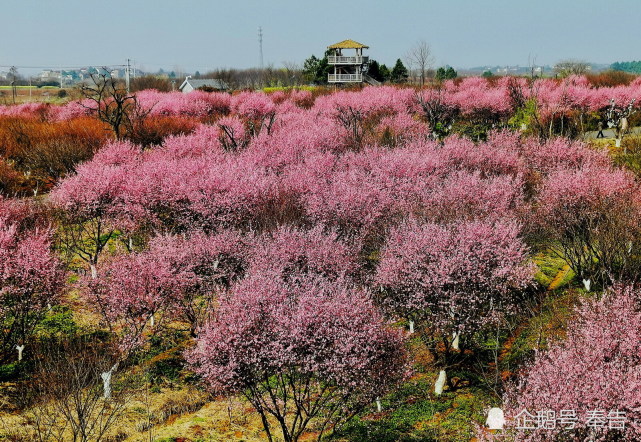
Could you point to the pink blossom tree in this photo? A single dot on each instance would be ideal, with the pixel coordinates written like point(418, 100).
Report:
point(136, 292)
point(258, 110)
point(208, 266)
point(31, 279)
point(457, 279)
point(590, 217)
point(314, 352)
point(594, 372)
point(233, 134)
point(90, 202)
point(289, 254)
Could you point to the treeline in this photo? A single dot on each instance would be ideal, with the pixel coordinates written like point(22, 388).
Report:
point(634, 67)
point(315, 70)
point(253, 78)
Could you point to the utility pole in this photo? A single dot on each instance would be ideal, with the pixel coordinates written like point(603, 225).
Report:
point(14, 90)
point(260, 45)
point(127, 76)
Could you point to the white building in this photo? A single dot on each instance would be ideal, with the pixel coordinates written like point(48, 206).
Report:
point(191, 84)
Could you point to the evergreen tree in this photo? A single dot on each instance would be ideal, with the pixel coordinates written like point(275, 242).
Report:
point(310, 68)
point(443, 74)
point(385, 72)
point(323, 68)
point(316, 69)
point(374, 71)
point(450, 73)
point(399, 72)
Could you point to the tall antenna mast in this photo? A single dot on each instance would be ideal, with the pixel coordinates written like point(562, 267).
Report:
point(127, 75)
point(260, 44)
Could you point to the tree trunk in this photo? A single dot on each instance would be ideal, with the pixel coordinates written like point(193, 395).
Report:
point(455, 341)
point(440, 383)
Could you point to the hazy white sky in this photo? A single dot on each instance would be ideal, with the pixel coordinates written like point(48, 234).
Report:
point(202, 35)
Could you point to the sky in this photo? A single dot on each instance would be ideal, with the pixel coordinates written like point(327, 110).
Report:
point(202, 35)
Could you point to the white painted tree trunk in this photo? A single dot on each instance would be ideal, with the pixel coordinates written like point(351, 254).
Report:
point(587, 284)
point(94, 271)
point(617, 142)
point(379, 407)
point(152, 321)
point(20, 348)
point(106, 381)
point(455, 337)
point(411, 326)
point(440, 383)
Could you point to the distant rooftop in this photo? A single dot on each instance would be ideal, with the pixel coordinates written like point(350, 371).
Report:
point(212, 83)
point(348, 44)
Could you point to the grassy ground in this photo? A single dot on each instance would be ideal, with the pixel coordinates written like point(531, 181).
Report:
point(170, 406)
point(26, 94)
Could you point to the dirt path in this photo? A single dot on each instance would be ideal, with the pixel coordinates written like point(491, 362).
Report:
point(558, 279)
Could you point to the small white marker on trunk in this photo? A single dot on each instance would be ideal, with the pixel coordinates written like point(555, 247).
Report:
point(20, 348)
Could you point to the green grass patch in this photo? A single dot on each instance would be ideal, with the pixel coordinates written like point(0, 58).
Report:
point(548, 325)
point(414, 413)
point(57, 322)
point(549, 265)
point(288, 88)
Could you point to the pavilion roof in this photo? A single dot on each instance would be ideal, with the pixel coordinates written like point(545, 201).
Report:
point(348, 44)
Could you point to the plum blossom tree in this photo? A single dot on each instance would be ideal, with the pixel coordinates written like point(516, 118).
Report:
point(459, 279)
point(590, 217)
point(257, 109)
point(617, 118)
point(313, 352)
point(31, 278)
point(596, 367)
point(132, 290)
point(437, 111)
point(90, 202)
point(208, 265)
point(233, 134)
point(289, 254)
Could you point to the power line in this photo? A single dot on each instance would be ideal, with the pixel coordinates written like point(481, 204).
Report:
point(54, 67)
